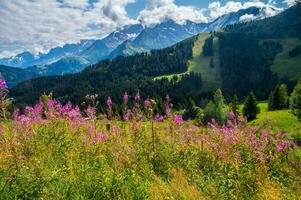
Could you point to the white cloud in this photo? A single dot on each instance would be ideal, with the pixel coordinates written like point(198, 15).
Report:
point(247, 17)
point(157, 11)
point(35, 26)
point(217, 10)
point(289, 2)
point(77, 3)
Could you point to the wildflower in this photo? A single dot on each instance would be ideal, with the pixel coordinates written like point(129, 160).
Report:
point(213, 124)
point(214, 146)
point(159, 118)
point(237, 155)
point(264, 135)
point(270, 155)
point(137, 97)
point(232, 115)
point(100, 137)
point(16, 114)
point(126, 116)
point(90, 111)
point(178, 119)
point(116, 130)
point(261, 159)
point(281, 146)
point(125, 98)
point(1, 130)
point(147, 103)
point(109, 102)
point(3, 85)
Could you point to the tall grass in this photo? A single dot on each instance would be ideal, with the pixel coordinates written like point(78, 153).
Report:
point(55, 151)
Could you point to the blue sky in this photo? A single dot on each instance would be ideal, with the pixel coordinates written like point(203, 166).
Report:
point(36, 26)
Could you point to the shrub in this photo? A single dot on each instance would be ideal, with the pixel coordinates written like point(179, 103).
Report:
point(278, 99)
point(250, 109)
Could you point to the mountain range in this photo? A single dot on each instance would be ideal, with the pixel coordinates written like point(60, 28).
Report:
point(129, 40)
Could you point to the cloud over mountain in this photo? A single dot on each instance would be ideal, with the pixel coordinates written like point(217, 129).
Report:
point(217, 10)
point(160, 10)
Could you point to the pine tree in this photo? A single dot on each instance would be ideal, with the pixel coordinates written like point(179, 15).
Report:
point(208, 47)
point(218, 97)
point(250, 109)
point(295, 101)
point(278, 98)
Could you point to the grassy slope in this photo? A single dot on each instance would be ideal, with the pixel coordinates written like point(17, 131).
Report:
point(201, 63)
point(280, 120)
point(285, 66)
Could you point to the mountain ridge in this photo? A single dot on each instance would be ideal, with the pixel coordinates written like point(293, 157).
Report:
point(101, 48)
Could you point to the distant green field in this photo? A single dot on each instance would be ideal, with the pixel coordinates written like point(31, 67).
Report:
point(285, 66)
point(201, 64)
point(280, 120)
point(170, 77)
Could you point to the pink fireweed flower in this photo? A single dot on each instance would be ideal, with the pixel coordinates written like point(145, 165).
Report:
point(225, 130)
point(261, 159)
point(168, 111)
point(281, 146)
point(137, 98)
point(90, 111)
point(270, 155)
point(116, 130)
point(213, 124)
point(51, 103)
point(214, 146)
point(38, 108)
point(232, 115)
point(159, 118)
point(74, 114)
point(3, 85)
point(100, 137)
point(125, 98)
point(109, 102)
point(90, 128)
point(178, 119)
point(127, 115)
point(15, 114)
point(147, 103)
point(264, 135)
point(237, 155)
point(1, 131)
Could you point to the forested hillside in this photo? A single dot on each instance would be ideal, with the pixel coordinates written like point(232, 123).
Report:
point(112, 78)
